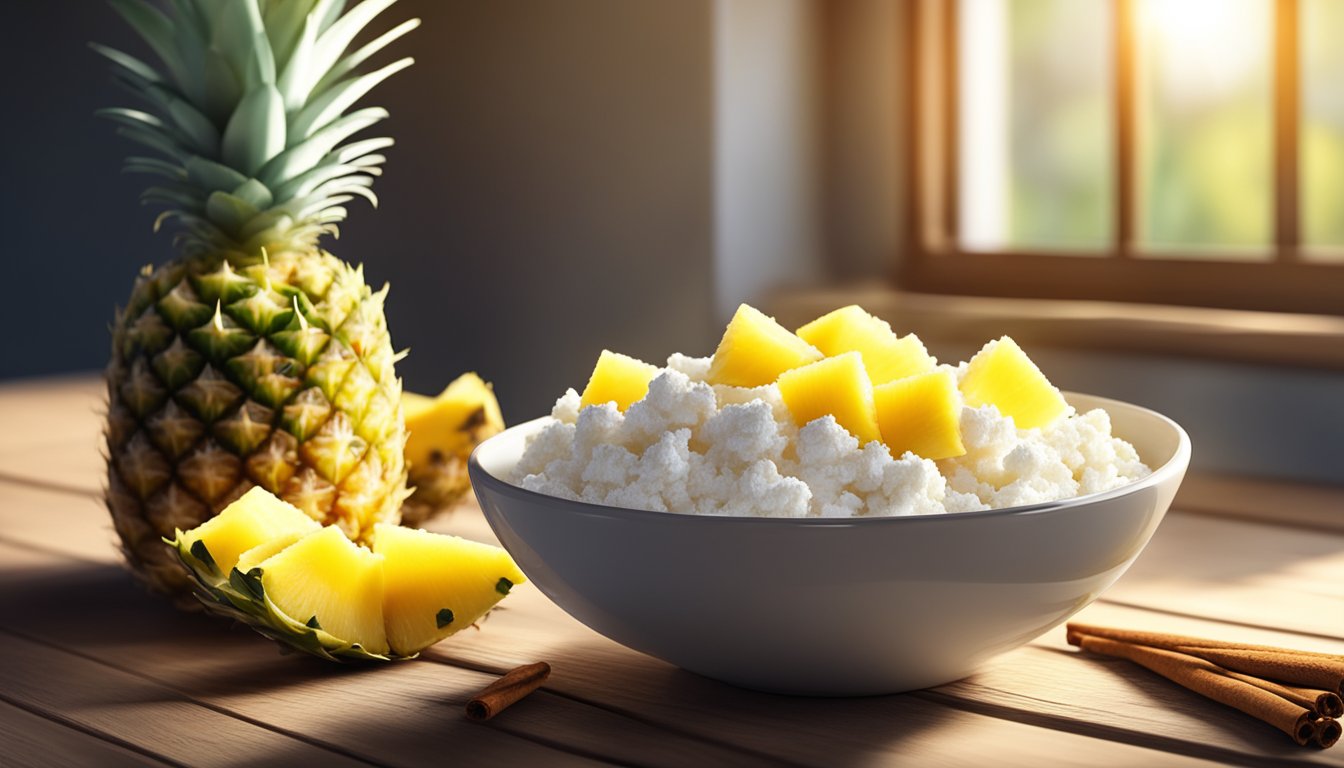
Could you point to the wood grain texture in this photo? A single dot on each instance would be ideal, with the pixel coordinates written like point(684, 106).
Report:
point(33, 741)
point(1042, 704)
point(613, 702)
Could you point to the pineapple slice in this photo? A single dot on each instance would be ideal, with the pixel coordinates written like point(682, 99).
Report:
point(443, 432)
point(755, 350)
point(850, 329)
point(255, 518)
point(254, 556)
point(465, 413)
point(921, 414)
point(1002, 375)
point(617, 378)
point(328, 583)
point(836, 385)
point(436, 585)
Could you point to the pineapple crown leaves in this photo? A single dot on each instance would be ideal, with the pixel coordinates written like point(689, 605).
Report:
point(248, 115)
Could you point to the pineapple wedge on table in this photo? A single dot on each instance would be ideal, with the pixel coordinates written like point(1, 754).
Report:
point(312, 589)
point(254, 358)
point(442, 432)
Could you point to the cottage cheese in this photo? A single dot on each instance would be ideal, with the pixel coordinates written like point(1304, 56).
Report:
point(713, 450)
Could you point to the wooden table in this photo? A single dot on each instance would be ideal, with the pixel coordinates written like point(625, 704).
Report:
point(97, 672)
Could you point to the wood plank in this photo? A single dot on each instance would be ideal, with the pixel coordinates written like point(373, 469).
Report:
point(32, 741)
point(139, 714)
point(649, 701)
point(406, 714)
point(1241, 572)
point(53, 430)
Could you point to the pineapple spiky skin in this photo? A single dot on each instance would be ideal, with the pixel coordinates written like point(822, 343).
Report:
point(255, 358)
point(289, 386)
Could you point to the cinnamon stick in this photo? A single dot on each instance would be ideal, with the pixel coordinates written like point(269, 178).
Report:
point(1312, 671)
point(1208, 679)
point(1321, 703)
point(507, 690)
point(1327, 732)
point(1172, 642)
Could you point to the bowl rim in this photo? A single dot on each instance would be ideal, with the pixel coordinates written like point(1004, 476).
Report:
point(1176, 465)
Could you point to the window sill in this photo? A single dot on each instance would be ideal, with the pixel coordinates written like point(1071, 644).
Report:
point(1267, 338)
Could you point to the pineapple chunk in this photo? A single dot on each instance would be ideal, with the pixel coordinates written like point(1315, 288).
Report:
point(755, 350)
point(1002, 375)
point(921, 414)
point(327, 582)
point(255, 518)
point(619, 379)
point(850, 329)
point(435, 585)
point(465, 413)
point(836, 385)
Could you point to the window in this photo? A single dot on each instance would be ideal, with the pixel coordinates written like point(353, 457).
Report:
point(1166, 151)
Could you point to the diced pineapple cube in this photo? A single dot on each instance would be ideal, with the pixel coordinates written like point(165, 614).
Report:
point(619, 379)
point(921, 414)
point(755, 350)
point(851, 329)
point(1002, 375)
point(836, 385)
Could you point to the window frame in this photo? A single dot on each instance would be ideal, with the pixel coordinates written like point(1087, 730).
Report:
point(935, 262)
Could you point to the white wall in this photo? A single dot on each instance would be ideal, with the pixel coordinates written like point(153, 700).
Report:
point(767, 225)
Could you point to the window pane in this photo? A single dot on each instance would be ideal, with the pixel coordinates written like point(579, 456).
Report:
point(1322, 145)
point(1205, 126)
point(1035, 114)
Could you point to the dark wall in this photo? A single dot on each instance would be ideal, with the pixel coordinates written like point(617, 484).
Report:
point(550, 192)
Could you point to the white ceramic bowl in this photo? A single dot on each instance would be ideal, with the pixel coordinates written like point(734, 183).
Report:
point(829, 606)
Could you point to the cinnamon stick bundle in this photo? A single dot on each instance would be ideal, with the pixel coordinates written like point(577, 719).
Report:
point(507, 690)
point(1298, 692)
point(1206, 678)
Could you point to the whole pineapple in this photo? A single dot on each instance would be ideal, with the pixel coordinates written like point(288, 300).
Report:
point(255, 357)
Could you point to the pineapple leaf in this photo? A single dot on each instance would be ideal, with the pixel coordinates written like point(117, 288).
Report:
point(132, 117)
point(196, 22)
point(338, 36)
point(306, 154)
point(284, 24)
point(327, 11)
point(330, 105)
point(128, 63)
point(351, 62)
point(153, 166)
point(237, 25)
point(294, 79)
point(229, 213)
point(255, 194)
point(190, 123)
point(304, 184)
point(212, 176)
point(357, 149)
point(178, 194)
point(157, 30)
point(220, 89)
point(154, 140)
point(256, 131)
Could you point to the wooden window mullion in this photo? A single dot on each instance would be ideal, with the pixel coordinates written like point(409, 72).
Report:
point(1287, 106)
point(1125, 59)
